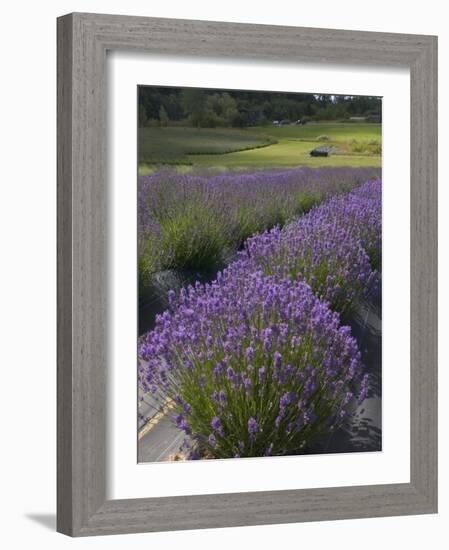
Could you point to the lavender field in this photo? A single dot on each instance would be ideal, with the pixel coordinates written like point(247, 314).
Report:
point(188, 221)
point(252, 354)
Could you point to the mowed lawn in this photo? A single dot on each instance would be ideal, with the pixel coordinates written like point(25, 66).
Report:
point(357, 144)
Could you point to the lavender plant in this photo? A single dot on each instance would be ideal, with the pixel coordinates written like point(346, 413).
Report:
point(330, 248)
point(256, 365)
point(184, 230)
point(360, 214)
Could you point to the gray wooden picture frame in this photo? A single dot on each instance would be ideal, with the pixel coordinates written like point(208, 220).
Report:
point(83, 40)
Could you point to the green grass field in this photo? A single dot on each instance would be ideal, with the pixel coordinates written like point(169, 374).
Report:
point(358, 144)
point(174, 144)
point(336, 131)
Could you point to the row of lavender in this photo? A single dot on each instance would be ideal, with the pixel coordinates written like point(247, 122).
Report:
point(197, 222)
point(257, 362)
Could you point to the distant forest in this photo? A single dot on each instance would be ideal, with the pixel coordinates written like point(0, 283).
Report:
point(167, 106)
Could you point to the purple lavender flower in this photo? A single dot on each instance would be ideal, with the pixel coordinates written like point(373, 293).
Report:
point(286, 399)
point(182, 423)
point(217, 426)
point(276, 359)
point(262, 374)
point(363, 389)
point(186, 407)
point(250, 353)
point(253, 428)
point(230, 373)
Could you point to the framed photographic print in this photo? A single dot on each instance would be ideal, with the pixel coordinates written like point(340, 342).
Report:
point(234, 207)
point(246, 274)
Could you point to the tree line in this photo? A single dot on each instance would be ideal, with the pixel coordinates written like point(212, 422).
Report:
point(164, 106)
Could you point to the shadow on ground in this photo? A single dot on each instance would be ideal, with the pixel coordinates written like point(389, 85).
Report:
point(46, 520)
